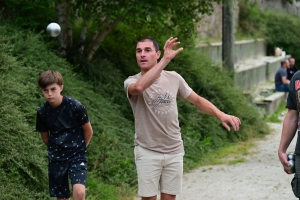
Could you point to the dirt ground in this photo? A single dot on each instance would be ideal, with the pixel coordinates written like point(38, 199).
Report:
point(260, 177)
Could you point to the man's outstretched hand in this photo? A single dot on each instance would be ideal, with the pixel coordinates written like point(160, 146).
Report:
point(227, 120)
point(169, 52)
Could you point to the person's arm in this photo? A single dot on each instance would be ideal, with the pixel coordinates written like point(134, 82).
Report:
point(289, 129)
point(149, 78)
point(208, 108)
point(45, 137)
point(88, 132)
point(285, 80)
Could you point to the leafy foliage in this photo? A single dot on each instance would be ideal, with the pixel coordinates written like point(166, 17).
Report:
point(282, 33)
point(85, 24)
point(251, 19)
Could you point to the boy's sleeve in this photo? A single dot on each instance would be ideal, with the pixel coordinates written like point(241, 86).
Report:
point(82, 116)
point(40, 123)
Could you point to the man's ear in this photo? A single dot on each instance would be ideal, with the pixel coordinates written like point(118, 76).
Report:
point(158, 55)
point(61, 88)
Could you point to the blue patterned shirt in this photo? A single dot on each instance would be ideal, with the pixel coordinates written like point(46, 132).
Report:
point(66, 138)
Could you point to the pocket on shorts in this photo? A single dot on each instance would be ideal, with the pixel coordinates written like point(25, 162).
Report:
point(296, 185)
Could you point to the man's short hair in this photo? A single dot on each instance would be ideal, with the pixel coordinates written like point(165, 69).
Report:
point(50, 77)
point(283, 62)
point(155, 43)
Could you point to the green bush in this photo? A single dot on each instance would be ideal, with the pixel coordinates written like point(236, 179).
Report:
point(283, 32)
point(251, 20)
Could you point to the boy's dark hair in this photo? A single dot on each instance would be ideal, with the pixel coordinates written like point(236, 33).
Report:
point(50, 77)
point(156, 46)
point(283, 62)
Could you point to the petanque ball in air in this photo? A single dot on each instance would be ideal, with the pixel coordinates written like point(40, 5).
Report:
point(53, 29)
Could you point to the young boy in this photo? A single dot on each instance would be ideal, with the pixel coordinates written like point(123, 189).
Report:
point(66, 130)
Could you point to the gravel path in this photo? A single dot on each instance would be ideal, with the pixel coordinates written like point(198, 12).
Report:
point(260, 177)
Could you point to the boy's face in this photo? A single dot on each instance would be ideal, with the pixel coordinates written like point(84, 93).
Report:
point(146, 56)
point(52, 94)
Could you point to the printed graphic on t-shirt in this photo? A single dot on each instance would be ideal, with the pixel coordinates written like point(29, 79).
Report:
point(161, 101)
point(297, 85)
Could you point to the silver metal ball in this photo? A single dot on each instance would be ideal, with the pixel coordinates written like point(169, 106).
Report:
point(291, 156)
point(53, 29)
point(291, 168)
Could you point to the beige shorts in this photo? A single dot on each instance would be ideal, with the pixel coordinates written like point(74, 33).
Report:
point(158, 172)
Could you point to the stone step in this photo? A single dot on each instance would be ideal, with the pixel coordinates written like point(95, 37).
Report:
point(274, 100)
point(266, 97)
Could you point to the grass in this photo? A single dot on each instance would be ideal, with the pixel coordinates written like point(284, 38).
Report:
point(230, 154)
point(280, 112)
point(97, 190)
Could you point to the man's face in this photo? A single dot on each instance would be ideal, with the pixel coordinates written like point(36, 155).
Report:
point(292, 62)
point(287, 64)
point(146, 56)
point(52, 94)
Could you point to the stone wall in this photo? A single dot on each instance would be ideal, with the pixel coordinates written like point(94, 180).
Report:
point(243, 50)
point(211, 25)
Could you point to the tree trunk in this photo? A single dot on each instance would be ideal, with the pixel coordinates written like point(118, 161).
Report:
point(85, 28)
point(98, 38)
point(82, 38)
point(65, 37)
point(228, 34)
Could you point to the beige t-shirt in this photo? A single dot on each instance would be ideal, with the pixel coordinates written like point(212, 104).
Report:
point(155, 112)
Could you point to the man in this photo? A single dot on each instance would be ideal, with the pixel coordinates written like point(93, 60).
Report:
point(281, 81)
point(292, 69)
point(152, 95)
point(290, 124)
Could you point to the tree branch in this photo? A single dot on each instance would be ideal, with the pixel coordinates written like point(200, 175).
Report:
point(99, 37)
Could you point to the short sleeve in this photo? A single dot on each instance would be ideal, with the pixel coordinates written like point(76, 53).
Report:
point(291, 100)
point(184, 89)
point(282, 73)
point(128, 82)
point(40, 123)
point(81, 114)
